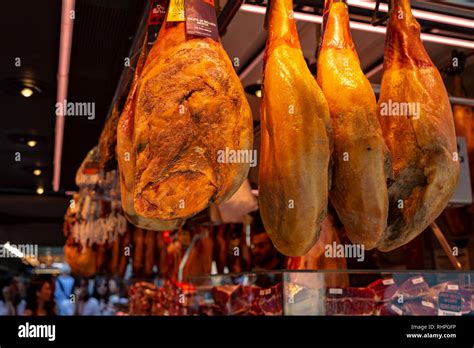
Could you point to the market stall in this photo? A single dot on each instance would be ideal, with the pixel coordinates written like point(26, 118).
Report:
point(270, 158)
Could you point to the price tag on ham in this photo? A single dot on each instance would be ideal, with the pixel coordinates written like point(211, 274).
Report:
point(396, 310)
point(201, 19)
point(388, 281)
point(427, 304)
point(453, 287)
point(335, 291)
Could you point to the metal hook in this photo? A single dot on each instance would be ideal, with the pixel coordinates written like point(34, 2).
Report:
point(378, 21)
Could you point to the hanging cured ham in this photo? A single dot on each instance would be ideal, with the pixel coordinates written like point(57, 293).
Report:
point(417, 123)
point(126, 159)
point(188, 107)
point(295, 145)
point(361, 159)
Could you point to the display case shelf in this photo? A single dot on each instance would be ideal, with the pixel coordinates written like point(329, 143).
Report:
point(337, 292)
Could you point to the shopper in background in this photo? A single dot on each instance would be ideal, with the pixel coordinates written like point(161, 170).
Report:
point(12, 295)
point(85, 303)
point(117, 298)
point(6, 303)
point(20, 294)
point(102, 294)
point(264, 254)
point(40, 301)
point(63, 291)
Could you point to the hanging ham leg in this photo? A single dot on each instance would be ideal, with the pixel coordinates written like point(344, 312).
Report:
point(126, 158)
point(295, 144)
point(361, 159)
point(417, 123)
point(190, 108)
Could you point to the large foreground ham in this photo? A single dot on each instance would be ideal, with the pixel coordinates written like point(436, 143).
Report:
point(295, 147)
point(126, 159)
point(361, 159)
point(188, 107)
point(417, 123)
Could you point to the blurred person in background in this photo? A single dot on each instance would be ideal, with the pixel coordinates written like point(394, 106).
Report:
point(102, 294)
point(17, 292)
point(20, 284)
point(63, 291)
point(117, 298)
point(40, 300)
point(6, 303)
point(85, 303)
point(264, 254)
point(12, 296)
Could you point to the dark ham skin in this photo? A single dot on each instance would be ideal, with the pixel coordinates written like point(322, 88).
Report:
point(423, 146)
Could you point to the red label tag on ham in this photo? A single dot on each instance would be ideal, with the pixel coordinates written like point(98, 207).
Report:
point(91, 168)
point(156, 17)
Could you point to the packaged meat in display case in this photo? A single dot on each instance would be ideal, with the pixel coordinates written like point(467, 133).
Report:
point(400, 293)
point(288, 293)
point(239, 294)
point(167, 299)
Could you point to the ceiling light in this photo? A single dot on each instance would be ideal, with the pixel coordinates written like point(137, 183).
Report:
point(31, 143)
point(254, 89)
point(40, 190)
point(420, 14)
point(305, 17)
point(26, 92)
point(37, 172)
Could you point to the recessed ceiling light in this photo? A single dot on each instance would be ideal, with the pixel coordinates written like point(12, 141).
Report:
point(31, 143)
point(26, 92)
point(254, 89)
point(40, 190)
point(37, 172)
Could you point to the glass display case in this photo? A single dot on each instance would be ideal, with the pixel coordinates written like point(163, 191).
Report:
point(351, 292)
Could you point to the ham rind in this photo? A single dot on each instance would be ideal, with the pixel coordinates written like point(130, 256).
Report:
point(361, 159)
point(295, 140)
point(418, 127)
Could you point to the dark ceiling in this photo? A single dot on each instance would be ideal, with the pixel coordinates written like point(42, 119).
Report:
point(30, 31)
